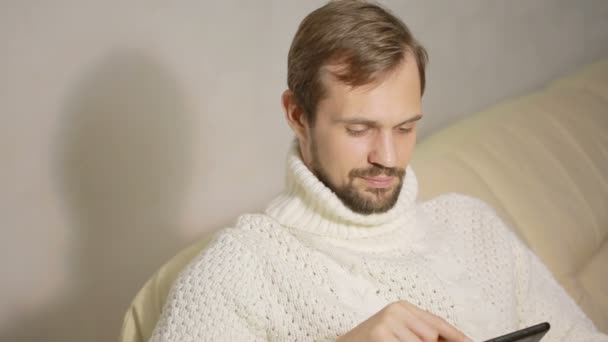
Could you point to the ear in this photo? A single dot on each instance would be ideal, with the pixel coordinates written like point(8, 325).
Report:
point(296, 117)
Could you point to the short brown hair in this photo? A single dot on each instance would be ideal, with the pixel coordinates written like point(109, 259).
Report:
point(366, 40)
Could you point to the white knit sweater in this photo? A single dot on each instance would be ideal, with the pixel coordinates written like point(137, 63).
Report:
point(310, 269)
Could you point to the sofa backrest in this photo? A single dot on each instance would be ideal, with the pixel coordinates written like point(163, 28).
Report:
point(542, 162)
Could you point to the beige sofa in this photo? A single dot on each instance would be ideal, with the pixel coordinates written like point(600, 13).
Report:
point(540, 160)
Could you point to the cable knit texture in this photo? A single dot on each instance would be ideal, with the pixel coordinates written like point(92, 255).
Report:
point(310, 269)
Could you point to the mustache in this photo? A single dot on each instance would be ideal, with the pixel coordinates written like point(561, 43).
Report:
point(377, 170)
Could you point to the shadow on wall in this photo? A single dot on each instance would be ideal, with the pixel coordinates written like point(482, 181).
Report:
point(123, 163)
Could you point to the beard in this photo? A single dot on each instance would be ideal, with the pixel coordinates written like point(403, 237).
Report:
point(362, 200)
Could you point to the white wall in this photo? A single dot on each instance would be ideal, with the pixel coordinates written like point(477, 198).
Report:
point(128, 128)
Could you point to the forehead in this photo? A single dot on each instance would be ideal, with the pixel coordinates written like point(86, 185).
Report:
point(395, 95)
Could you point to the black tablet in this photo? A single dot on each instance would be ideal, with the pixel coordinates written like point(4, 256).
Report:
point(530, 334)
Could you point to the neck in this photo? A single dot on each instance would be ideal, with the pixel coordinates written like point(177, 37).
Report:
point(308, 205)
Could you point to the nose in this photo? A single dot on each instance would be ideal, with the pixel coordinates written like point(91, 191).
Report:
point(383, 152)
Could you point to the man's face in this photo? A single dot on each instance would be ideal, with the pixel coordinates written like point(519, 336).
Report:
point(363, 138)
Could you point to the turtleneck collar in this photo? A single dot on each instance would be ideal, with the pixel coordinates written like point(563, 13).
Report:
point(308, 205)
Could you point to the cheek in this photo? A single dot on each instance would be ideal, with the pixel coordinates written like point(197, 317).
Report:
point(406, 148)
point(352, 154)
point(339, 154)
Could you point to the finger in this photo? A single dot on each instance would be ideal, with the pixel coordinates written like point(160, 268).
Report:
point(405, 325)
point(445, 330)
point(422, 329)
point(403, 334)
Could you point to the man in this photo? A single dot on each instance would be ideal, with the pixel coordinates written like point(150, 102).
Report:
point(345, 252)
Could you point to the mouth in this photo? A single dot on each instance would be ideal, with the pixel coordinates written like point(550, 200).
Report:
point(381, 182)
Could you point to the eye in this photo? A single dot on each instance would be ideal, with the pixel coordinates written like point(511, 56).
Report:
point(405, 130)
point(357, 130)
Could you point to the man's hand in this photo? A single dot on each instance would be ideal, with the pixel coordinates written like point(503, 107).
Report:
point(402, 321)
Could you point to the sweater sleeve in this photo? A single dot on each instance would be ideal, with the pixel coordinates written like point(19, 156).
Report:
point(540, 298)
point(213, 299)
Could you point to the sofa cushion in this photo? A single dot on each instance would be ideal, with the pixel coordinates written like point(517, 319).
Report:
point(143, 313)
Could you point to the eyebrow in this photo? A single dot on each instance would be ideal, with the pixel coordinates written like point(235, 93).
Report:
point(372, 123)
